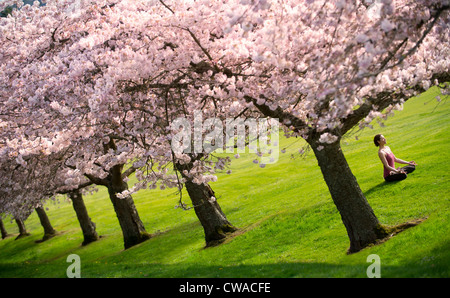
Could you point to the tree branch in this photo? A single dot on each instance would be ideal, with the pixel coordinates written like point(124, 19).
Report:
point(166, 6)
point(128, 172)
point(81, 186)
point(278, 113)
point(411, 50)
point(92, 179)
point(383, 100)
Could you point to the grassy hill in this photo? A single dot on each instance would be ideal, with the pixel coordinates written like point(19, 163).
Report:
point(289, 226)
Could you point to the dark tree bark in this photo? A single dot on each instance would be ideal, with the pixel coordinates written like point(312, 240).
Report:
point(214, 222)
point(3, 230)
point(363, 227)
point(22, 230)
point(87, 226)
point(132, 227)
point(49, 232)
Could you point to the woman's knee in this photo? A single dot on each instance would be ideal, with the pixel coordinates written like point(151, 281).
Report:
point(396, 177)
point(410, 168)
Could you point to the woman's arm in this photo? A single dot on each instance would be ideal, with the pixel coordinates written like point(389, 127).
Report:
point(413, 163)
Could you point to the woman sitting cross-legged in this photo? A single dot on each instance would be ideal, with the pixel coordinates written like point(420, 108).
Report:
point(388, 159)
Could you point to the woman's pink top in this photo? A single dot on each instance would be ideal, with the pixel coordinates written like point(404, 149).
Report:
point(390, 158)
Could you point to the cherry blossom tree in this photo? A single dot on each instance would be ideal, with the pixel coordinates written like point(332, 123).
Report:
point(9, 205)
point(42, 115)
point(28, 185)
point(91, 114)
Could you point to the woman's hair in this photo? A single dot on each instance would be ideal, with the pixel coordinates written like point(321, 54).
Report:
point(376, 139)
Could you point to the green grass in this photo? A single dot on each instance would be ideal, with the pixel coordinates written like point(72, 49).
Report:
point(289, 226)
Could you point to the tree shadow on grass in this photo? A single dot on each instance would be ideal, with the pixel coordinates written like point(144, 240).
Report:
point(433, 264)
point(391, 231)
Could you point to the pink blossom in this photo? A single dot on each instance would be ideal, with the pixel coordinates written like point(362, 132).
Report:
point(387, 26)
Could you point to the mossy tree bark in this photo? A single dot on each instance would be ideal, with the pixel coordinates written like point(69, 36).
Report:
point(86, 224)
point(363, 227)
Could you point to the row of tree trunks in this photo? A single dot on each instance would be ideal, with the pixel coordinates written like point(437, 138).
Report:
point(363, 227)
point(20, 224)
point(87, 226)
point(214, 222)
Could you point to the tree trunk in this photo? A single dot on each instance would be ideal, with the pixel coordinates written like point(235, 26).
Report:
point(363, 227)
point(22, 230)
point(3, 230)
point(214, 222)
point(132, 227)
point(49, 232)
point(87, 226)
